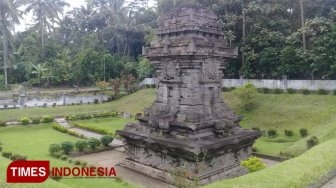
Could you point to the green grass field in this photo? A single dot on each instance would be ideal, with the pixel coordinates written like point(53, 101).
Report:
point(33, 141)
point(133, 103)
point(109, 124)
point(299, 172)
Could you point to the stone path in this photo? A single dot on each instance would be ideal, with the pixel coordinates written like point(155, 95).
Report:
point(87, 134)
point(112, 158)
point(330, 184)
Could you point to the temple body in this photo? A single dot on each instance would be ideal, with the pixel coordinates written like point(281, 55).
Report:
point(189, 124)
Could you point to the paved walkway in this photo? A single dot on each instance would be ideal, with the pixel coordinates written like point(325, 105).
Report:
point(330, 184)
point(87, 134)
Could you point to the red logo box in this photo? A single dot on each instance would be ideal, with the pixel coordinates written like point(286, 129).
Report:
point(28, 171)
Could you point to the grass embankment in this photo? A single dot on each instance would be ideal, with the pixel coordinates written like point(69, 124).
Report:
point(292, 112)
point(299, 172)
point(110, 124)
point(133, 103)
point(33, 141)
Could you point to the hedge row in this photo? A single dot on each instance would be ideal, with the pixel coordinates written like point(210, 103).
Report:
point(90, 116)
point(67, 131)
point(93, 129)
point(44, 119)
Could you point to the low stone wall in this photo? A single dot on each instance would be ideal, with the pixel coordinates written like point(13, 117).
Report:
point(312, 85)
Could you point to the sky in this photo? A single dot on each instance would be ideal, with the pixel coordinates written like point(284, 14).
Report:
point(28, 18)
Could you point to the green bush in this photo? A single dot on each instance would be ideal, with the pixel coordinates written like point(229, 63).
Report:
point(77, 162)
point(247, 96)
point(93, 143)
point(106, 140)
point(256, 128)
point(81, 145)
point(70, 161)
point(25, 121)
point(313, 141)
point(322, 92)
point(60, 128)
point(6, 154)
point(265, 90)
point(253, 164)
point(84, 164)
point(2, 124)
point(64, 157)
point(55, 149)
point(303, 132)
point(56, 178)
point(47, 119)
point(67, 147)
point(305, 92)
point(278, 91)
point(334, 92)
point(289, 133)
point(36, 121)
point(92, 129)
point(291, 91)
point(1, 148)
point(16, 157)
point(272, 133)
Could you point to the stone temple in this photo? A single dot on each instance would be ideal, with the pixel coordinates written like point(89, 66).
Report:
point(189, 125)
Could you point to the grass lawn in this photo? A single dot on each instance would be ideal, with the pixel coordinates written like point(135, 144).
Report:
point(33, 141)
point(299, 172)
point(133, 103)
point(110, 124)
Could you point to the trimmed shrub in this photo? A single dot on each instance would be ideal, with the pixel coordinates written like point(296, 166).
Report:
point(0, 148)
point(272, 133)
point(305, 91)
point(55, 149)
point(278, 91)
point(25, 121)
point(322, 92)
point(265, 90)
point(247, 96)
point(256, 128)
point(2, 124)
point(254, 149)
point(253, 164)
point(313, 141)
point(334, 92)
point(70, 161)
point(67, 147)
point(60, 128)
point(291, 91)
point(36, 121)
point(16, 157)
point(77, 162)
point(47, 119)
point(106, 140)
point(303, 132)
point(56, 178)
point(64, 157)
point(6, 154)
point(93, 129)
point(289, 133)
point(81, 145)
point(93, 143)
point(84, 164)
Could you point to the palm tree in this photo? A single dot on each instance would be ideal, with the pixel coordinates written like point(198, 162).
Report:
point(46, 14)
point(40, 71)
point(9, 14)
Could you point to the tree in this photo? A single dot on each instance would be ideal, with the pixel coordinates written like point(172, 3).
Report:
point(46, 14)
point(303, 25)
point(9, 15)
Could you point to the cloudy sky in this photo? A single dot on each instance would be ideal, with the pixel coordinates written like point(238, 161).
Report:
point(28, 18)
